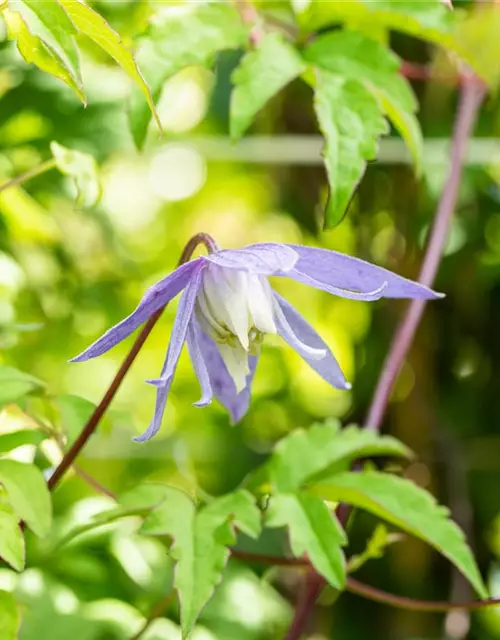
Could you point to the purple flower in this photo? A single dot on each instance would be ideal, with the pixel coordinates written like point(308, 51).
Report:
point(228, 306)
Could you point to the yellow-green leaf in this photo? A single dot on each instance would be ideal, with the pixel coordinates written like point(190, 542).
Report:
point(83, 169)
point(11, 539)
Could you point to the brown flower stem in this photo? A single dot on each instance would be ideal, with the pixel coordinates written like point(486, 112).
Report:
point(31, 173)
point(90, 427)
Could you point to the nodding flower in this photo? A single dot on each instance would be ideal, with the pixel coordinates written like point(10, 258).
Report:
point(228, 306)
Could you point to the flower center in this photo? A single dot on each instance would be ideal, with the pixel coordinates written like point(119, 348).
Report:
point(235, 309)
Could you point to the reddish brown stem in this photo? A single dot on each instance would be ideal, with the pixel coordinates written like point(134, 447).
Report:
point(90, 427)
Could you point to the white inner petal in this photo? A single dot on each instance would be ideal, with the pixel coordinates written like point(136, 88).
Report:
point(235, 308)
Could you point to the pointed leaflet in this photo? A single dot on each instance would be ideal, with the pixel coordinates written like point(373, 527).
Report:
point(407, 506)
point(28, 494)
point(90, 23)
point(11, 538)
point(261, 74)
point(15, 384)
point(15, 439)
point(46, 37)
point(82, 168)
point(200, 543)
point(314, 530)
point(351, 121)
point(183, 37)
point(9, 616)
point(352, 55)
point(305, 453)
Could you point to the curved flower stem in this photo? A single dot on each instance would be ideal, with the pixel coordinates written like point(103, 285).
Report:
point(471, 96)
point(90, 427)
point(31, 173)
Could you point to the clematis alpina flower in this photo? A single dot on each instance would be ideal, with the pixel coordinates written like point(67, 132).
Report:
point(228, 306)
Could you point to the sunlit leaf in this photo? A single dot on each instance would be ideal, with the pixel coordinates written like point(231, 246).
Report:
point(261, 74)
point(409, 507)
point(83, 170)
point(352, 55)
point(15, 384)
point(479, 35)
point(352, 122)
point(10, 441)
point(188, 36)
point(74, 411)
point(9, 616)
point(46, 36)
point(200, 543)
point(28, 494)
point(11, 539)
point(90, 23)
point(314, 530)
point(305, 453)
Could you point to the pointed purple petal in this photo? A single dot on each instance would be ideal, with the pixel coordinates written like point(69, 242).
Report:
point(199, 365)
point(327, 367)
point(154, 299)
point(332, 271)
point(222, 384)
point(177, 339)
point(264, 259)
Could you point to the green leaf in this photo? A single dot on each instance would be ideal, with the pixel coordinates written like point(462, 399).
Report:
point(354, 56)
point(15, 384)
point(410, 508)
point(351, 121)
point(90, 23)
point(11, 539)
point(10, 441)
point(261, 74)
point(75, 412)
point(200, 543)
point(82, 168)
point(429, 20)
point(146, 496)
point(314, 530)
point(375, 548)
point(46, 37)
point(305, 453)
point(184, 37)
point(28, 494)
point(479, 36)
point(9, 616)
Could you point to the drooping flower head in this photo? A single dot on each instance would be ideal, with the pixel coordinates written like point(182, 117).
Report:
point(228, 306)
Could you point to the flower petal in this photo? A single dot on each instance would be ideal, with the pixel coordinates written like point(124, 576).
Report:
point(154, 299)
point(199, 364)
point(327, 367)
point(223, 385)
point(333, 272)
point(288, 334)
point(264, 259)
point(177, 339)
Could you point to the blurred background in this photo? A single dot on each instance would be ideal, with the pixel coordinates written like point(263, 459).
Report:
point(68, 273)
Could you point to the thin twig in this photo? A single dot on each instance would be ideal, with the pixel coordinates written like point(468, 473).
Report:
point(471, 97)
point(90, 427)
point(31, 173)
point(92, 482)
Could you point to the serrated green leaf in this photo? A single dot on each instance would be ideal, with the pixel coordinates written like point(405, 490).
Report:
point(410, 508)
point(200, 543)
point(351, 121)
point(46, 36)
point(314, 530)
point(28, 494)
point(15, 384)
point(10, 441)
point(305, 453)
point(9, 616)
point(83, 169)
point(188, 36)
point(261, 74)
point(354, 56)
point(11, 539)
point(90, 23)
